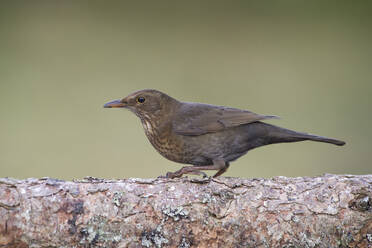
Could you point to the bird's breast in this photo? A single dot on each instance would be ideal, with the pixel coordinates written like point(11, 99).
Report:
point(164, 141)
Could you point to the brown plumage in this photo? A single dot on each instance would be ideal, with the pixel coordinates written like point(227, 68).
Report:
point(205, 136)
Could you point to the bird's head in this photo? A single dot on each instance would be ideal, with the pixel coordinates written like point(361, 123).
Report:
point(145, 103)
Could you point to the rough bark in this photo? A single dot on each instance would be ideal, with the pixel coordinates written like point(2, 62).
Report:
point(326, 211)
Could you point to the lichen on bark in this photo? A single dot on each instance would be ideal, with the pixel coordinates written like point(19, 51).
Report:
point(325, 211)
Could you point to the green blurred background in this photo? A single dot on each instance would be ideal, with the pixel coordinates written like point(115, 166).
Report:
point(309, 62)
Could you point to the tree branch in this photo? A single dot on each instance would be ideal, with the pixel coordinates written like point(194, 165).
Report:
point(326, 211)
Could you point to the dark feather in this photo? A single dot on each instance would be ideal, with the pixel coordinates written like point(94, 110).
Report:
point(204, 118)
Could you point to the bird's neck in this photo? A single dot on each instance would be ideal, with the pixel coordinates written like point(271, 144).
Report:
point(156, 124)
point(159, 123)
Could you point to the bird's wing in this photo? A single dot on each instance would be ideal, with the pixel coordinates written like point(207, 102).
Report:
point(196, 119)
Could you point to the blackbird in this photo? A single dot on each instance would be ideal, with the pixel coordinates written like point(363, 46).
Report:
point(206, 136)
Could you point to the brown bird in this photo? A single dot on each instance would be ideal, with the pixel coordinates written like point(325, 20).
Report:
point(206, 136)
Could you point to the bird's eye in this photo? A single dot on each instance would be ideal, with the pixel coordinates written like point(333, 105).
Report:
point(140, 99)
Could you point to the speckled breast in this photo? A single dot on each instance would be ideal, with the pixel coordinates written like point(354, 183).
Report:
point(164, 142)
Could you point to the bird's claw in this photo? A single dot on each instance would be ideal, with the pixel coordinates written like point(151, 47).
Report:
point(203, 174)
point(172, 175)
point(169, 175)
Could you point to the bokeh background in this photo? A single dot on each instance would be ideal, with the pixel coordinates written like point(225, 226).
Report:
point(309, 62)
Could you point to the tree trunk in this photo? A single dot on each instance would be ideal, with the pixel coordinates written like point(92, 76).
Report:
point(326, 211)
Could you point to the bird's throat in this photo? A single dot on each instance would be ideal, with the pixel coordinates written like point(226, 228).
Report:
point(147, 126)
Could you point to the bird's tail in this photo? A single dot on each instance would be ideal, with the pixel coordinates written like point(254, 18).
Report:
point(279, 135)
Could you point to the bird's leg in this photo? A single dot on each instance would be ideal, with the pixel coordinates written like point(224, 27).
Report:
point(218, 164)
point(194, 170)
point(223, 170)
point(185, 170)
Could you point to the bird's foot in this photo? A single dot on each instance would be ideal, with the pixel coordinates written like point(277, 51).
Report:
point(169, 175)
point(162, 177)
point(172, 175)
point(182, 171)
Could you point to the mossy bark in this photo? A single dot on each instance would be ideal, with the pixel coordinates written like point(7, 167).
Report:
point(326, 211)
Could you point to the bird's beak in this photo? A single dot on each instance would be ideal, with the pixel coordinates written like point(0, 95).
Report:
point(115, 104)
